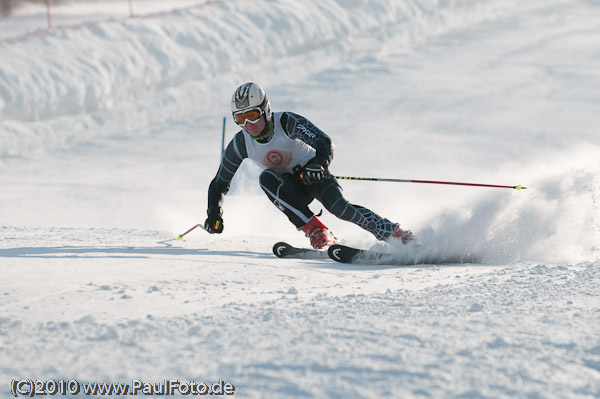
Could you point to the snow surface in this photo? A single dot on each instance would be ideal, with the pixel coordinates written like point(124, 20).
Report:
point(110, 133)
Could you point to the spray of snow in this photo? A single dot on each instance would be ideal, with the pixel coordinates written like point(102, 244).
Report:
point(555, 220)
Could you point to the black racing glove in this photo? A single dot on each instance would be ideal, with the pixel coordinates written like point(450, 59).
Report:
point(314, 172)
point(214, 222)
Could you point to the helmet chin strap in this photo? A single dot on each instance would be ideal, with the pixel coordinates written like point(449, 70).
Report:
point(266, 133)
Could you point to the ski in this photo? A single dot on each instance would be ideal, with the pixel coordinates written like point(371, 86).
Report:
point(345, 254)
point(285, 250)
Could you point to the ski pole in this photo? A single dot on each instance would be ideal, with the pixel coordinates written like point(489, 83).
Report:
point(519, 187)
point(180, 236)
point(223, 138)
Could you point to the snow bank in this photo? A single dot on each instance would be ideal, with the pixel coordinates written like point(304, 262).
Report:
point(115, 77)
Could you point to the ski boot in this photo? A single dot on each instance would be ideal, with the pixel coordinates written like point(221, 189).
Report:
point(405, 236)
point(319, 235)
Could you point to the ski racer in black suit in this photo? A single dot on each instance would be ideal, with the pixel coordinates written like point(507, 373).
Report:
point(295, 156)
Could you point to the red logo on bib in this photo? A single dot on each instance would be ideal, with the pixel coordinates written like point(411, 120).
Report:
point(274, 158)
point(277, 160)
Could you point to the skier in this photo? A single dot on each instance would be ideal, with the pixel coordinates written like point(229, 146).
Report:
point(295, 156)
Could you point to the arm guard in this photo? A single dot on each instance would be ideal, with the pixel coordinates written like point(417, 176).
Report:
point(219, 186)
point(298, 127)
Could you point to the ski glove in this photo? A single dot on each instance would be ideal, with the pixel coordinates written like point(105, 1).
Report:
point(214, 223)
point(313, 172)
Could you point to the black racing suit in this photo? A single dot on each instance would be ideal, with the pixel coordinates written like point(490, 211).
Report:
point(282, 182)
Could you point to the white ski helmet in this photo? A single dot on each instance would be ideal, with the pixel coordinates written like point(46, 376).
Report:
point(248, 97)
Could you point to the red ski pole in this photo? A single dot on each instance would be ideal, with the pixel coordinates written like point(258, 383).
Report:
point(180, 236)
point(519, 187)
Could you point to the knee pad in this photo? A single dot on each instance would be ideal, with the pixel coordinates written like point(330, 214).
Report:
point(269, 178)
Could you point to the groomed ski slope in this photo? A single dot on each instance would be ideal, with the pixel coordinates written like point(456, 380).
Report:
point(111, 132)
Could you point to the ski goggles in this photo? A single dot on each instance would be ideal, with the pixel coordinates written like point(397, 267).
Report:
point(248, 115)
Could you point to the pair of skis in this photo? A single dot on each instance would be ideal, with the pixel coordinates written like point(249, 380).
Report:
point(346, 254)
point(337, 252)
